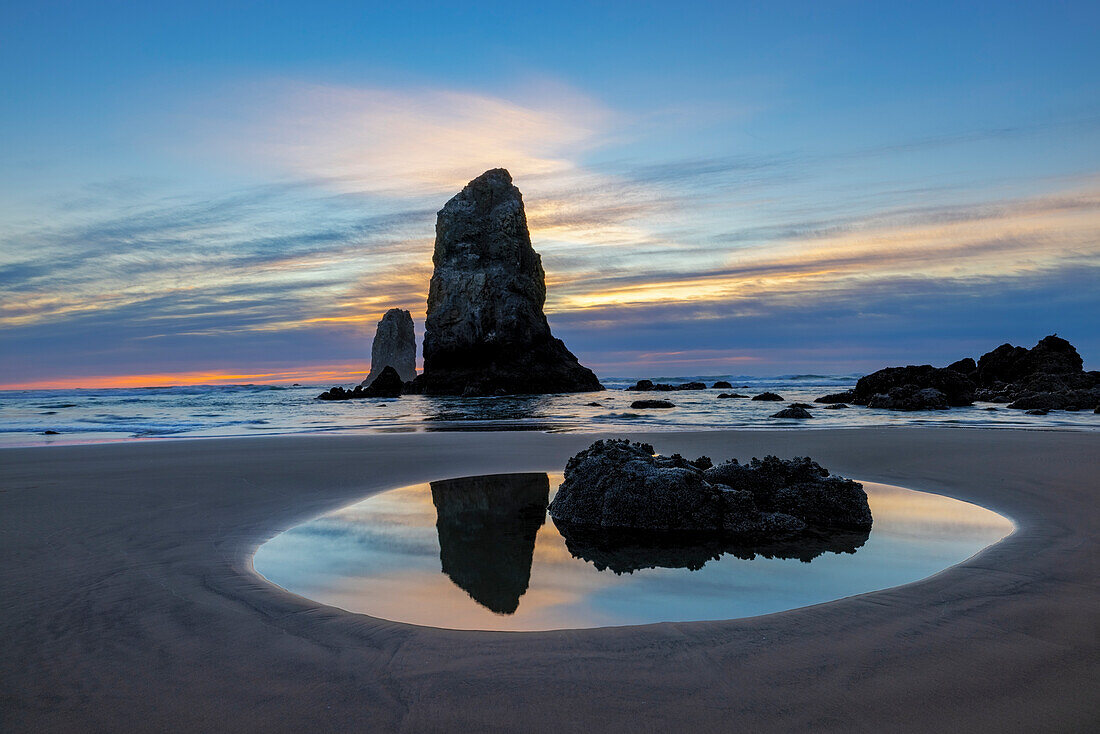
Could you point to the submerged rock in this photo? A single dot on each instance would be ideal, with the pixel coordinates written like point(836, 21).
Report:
point(836, 406)
point(622, 485)
point(486, 332)
point(768, 396)
point(793, 411)
point(652, 404)
point(394, 346)
point(650, 386)
point(837, 397)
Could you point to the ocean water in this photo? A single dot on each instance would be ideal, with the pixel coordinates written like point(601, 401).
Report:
point(126, 414)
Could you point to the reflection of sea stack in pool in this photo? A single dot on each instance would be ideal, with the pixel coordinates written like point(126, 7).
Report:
point(486, 333)
point(394, 346)
point(487, 527)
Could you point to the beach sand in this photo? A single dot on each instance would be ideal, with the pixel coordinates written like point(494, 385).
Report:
point(128, 600)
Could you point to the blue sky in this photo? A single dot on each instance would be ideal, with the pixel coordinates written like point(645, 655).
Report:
point(207, 190)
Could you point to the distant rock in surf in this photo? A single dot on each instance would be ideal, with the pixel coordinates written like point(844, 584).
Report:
point(768, 396)
point(394, 346)
point(486, 333)
point(638, 404)
point(793, 412)
point(1048, 376)
point(387, 385)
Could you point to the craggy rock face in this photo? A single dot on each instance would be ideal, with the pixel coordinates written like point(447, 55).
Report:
point(903, 388)
point(621, 485)
point(486, 332)
point(1006, 363)
point(394, 346)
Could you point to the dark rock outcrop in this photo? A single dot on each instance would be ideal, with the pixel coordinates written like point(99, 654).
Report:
point(394, 346)
point(793, 411)
point(837, 397)
point(768, 396)
point(486, 332)
point(651, 386)
point(836, 406)
point(909, 397)
point(721, 385)
point(916, 387)
point(1050, 375)
point(622, 485)
point(1009, 364)
point(388, 384)
point(726, 395)
point(487, 527)
point(652, 404)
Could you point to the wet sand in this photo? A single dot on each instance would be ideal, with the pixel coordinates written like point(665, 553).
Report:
point(127, 600)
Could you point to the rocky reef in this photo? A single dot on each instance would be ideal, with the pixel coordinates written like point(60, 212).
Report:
point(1048, 376)
point(650, 386)
point(623, 486)
point(388, 384)
point(486, 333)
point(394, 346)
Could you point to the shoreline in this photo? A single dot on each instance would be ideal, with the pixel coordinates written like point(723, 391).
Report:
point(586, 431)
point(137, 601)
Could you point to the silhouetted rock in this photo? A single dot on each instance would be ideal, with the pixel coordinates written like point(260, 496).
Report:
point(801, 405)
point(50, 433)
point(914, 388)
point(1049, 375)
point(965, 366)
point(721, 385)
point(799, 487)
point(1052, 355)
point(837, 397)
point(770, 396)
point(836, 406)
point(1036, 411)
point(487, 527)
point(909, 397)
point(793, 412)
point(486, 332)
point(618, 484)
point(394, 346)
point(652, 404)
point(388, 384)
point(726, 395)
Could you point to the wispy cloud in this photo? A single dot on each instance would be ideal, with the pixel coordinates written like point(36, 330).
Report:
point(401, 143)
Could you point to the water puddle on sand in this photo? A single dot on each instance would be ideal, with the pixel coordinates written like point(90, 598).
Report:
point(481, 553)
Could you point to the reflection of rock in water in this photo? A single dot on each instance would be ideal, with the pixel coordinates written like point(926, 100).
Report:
point(626, 551)
point(487, 527)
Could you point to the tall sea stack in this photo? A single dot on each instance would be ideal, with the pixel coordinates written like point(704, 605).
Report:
point(394, 346)
point(486, 333)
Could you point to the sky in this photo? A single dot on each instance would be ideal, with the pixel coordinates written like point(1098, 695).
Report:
point(213, 192)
